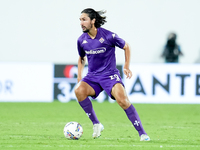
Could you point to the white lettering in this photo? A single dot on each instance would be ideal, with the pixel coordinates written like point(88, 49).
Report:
point(6, 86)
point(115, 76)
point(111, 77)
point(96, 51)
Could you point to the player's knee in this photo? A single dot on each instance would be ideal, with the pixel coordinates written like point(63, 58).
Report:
point(79, 91)
point(123, 102)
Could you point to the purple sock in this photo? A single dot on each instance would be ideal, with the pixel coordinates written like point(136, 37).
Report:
point(86, 104)
point(135, 119)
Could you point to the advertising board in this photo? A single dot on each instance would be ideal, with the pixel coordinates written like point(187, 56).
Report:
point(26, 82)
point(150, 83)
point(164, 83)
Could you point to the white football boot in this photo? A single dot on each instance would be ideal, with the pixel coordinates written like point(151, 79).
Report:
point(144, 137)
point(97, 129)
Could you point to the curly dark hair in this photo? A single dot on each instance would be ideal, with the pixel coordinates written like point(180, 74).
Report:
point(100, 20)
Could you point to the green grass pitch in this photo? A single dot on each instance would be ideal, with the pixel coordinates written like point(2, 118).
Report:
point(26, 126)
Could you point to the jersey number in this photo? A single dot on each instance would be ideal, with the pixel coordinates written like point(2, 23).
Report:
point(115, 76)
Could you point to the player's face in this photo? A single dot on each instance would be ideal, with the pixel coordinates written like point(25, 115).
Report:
point(86, 23)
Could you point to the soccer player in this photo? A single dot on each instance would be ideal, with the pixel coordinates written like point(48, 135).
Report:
point(98, 45)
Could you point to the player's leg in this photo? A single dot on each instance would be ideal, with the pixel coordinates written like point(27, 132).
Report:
point(82, 91)
point(119, 93)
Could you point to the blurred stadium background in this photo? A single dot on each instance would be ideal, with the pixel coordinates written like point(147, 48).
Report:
point(38, 63)
point(38, 53)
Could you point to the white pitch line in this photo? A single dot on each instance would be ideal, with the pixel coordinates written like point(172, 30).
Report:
point(163, 146)
point(176, 127)
point(151, 139)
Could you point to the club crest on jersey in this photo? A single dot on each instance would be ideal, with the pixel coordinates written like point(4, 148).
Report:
point(101, 40)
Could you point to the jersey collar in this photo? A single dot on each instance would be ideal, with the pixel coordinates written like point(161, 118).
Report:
point(96, 35)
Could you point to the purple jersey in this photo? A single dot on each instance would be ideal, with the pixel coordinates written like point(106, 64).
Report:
point(100, 51)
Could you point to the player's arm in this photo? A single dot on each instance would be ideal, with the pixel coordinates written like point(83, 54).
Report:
point(127, 52)
point(81, 65)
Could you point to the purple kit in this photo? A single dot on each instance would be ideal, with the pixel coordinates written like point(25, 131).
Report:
point(100, 52)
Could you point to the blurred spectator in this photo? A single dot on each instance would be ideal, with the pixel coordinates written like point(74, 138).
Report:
point(172, 50)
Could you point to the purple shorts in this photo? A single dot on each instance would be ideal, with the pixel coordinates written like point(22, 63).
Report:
point(103, 82)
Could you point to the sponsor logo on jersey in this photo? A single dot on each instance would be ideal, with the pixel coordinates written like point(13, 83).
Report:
point(84, 41)
point(96, 51)
point(113, 36)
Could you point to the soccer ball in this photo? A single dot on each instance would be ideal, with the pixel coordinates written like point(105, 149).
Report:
point(73, 130)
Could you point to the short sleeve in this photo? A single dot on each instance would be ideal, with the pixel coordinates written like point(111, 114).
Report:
point(80, 49)
point(116, 40)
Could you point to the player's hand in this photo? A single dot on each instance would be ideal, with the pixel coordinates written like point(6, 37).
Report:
point(128, 73)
